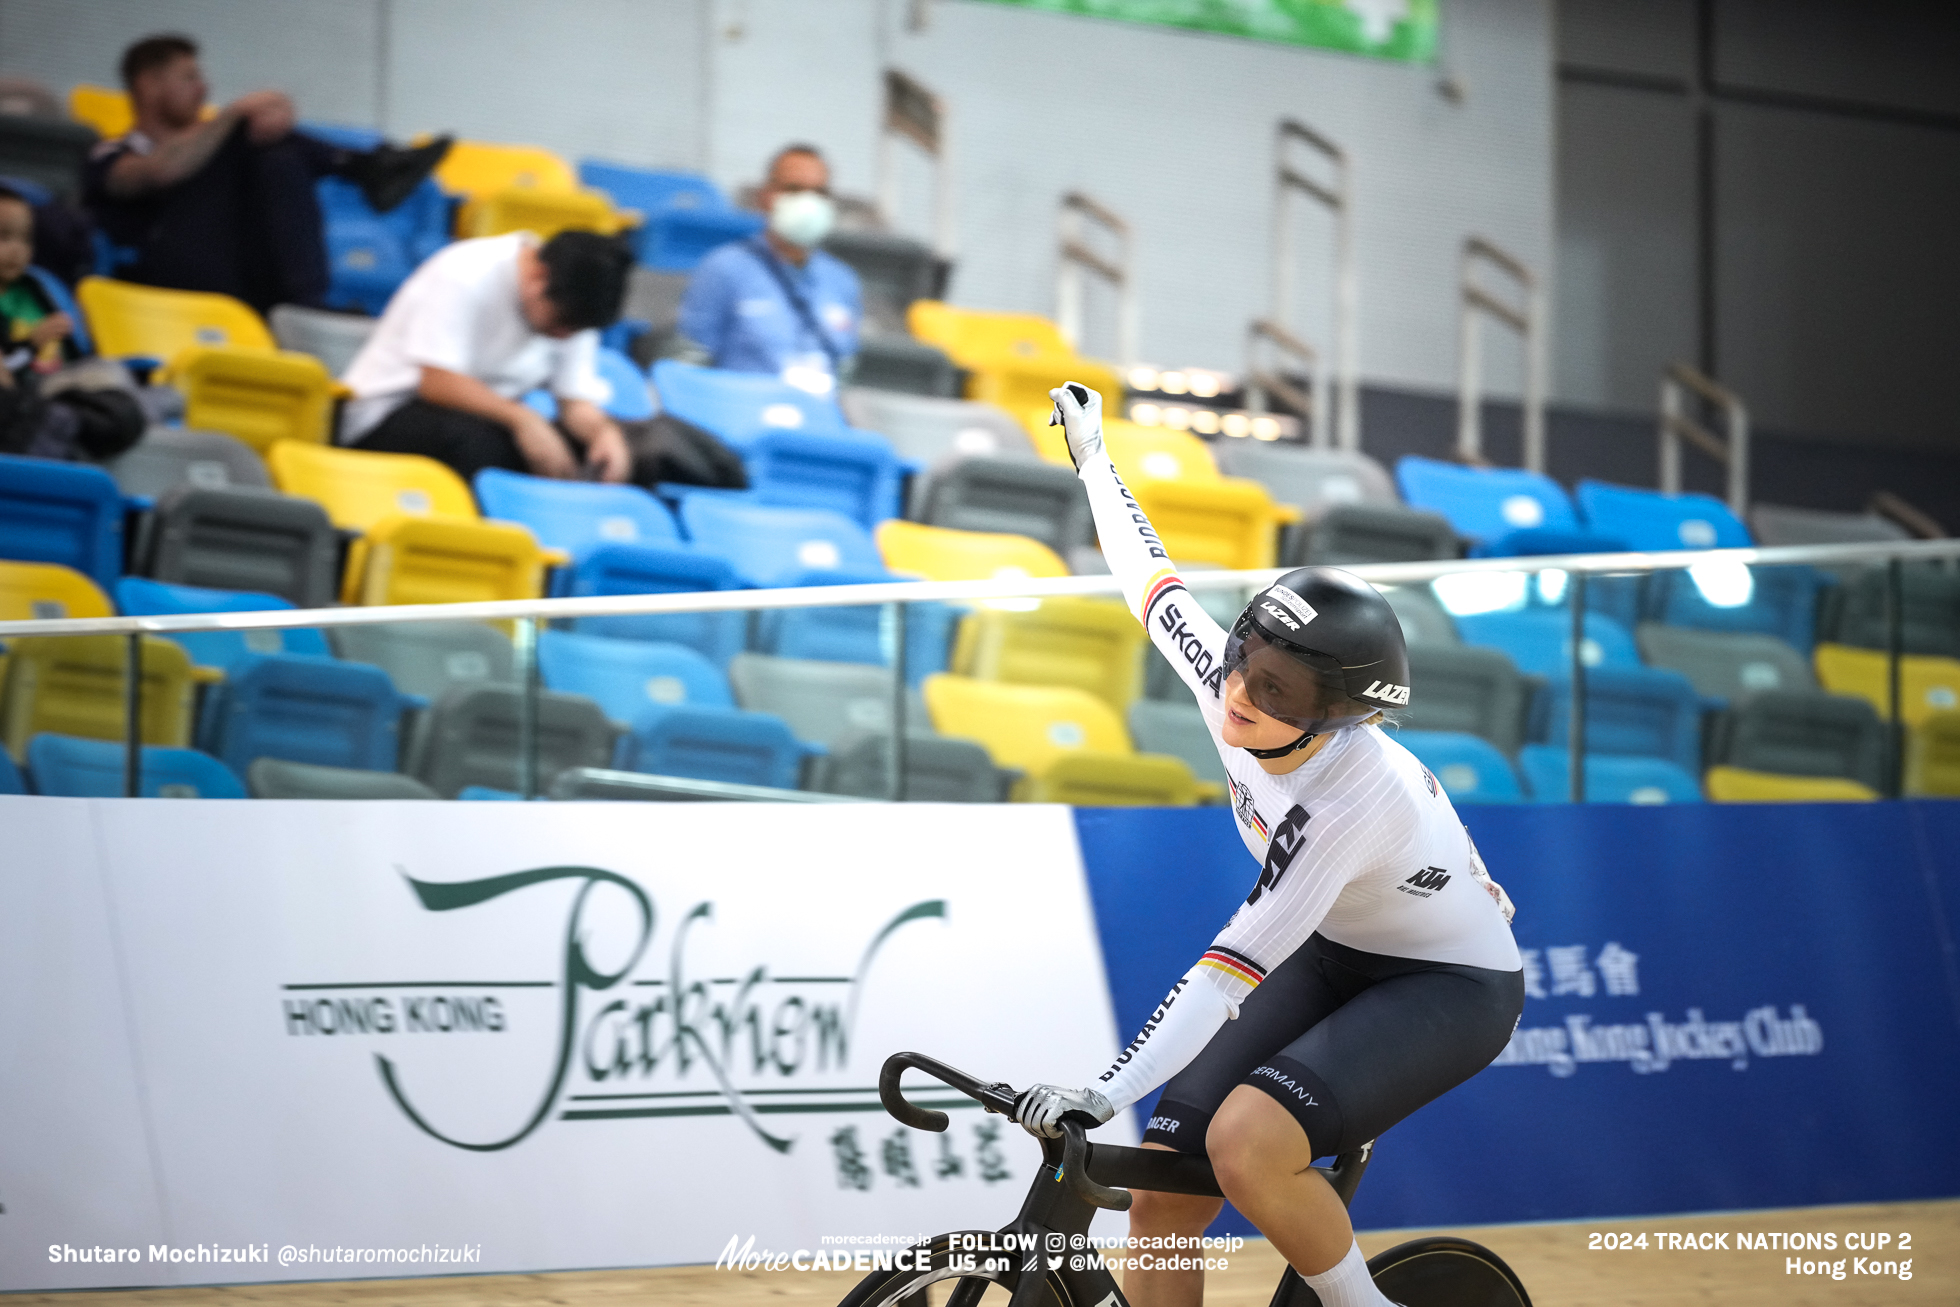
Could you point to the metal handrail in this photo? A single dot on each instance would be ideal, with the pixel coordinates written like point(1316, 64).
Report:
point(1527, 318)
point(1260, 383)
point(1677, 424)
point(904, 592)
point(1076, 257)
point(1337, 199)
point(914, 113)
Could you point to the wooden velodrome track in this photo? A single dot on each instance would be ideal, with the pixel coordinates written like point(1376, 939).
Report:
point(1553, 1260)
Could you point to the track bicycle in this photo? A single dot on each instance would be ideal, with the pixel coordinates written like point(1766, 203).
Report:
point(1041, 1257)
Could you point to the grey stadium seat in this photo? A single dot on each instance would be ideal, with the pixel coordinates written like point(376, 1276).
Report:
point(1015, 496)
point(1312, 480)
point(832, 704)
point(928, 429)
point(1177, 728)
point(49, 152)
point(1345, 534)
point(893, 271)
point(937, 770)
point(429, 658)
point(901, 364)
point(1467, 688)
point(470, 738)
point(245, 540)
point(1775, 524)
point(598, 783)
point(1854, 613)
point(1423, 619)
point(1796, 734)
point(275, 778)
point(333, 338)
point(1724, 664)
point(169, 457)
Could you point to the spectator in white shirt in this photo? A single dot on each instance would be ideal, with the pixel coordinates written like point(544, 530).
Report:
point(478, 326)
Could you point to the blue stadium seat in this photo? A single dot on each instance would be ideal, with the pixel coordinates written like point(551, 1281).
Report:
point(850, 472)
point(770, 546)
point(138, 596)
point(576, 516)
point(685, 214)
point(66, 513)
point(632, 400)
point(650, 189)
point(1648, 519)
point(303, 709)
point(1780, 601)
point(1609, 778)
point(715, 744)
point(626, 677)
point(10, 778)
point(651, 569)
point(483, 793)
point(370, 254)
point(93, 769)
point(856, 634)
point(1470, 768)
point(1504, 511)
point(1539, 640)
point(1645, 712)
point(740, 406)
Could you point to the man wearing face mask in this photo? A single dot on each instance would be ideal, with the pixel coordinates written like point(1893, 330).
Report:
point(776, 303)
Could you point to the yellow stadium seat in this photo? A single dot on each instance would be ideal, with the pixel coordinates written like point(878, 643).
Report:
point(1144, 454)
point(1927, 684)
point(259, 398)
point(359, 488)
point(1231, 522)
point(35, 591)
point(481, 167)
point(128, 320)
point(76, 685)
point(1089, 644)
point(545, 213)
point(940, 553)
point(1068, 741)
point(1933, 756)
point(218, 352)
point(1098, 781)
point(103, 108)
point(1015, 358)
point(1740, 785)
point(407, 559)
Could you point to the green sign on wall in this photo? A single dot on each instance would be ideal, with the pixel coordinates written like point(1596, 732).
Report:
point(1386, 29)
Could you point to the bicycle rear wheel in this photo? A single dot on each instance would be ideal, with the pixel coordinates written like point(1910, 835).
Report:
point(999, 1272)
point(1446, 1272)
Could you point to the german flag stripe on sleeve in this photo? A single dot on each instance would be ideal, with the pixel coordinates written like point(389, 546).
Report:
point(1236, 965)
point(1159, 586)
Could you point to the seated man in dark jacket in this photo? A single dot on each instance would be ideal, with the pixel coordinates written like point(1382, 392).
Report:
point(225, 202)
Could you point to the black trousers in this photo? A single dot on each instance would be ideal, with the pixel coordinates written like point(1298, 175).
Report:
point(465, 442)
point(247, 224)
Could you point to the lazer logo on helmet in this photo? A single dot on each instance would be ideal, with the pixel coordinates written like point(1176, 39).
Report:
point(1386, 693)
point(1300, 607)
point(1280, 613)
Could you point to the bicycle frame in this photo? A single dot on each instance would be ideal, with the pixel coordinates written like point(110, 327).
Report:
point(1049, 1233)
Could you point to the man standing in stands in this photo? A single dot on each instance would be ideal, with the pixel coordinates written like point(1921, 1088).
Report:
point(776, 303)
point(225, 202)
point(477, 327)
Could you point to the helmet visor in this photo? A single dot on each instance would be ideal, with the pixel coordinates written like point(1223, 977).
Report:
point(1304, 689)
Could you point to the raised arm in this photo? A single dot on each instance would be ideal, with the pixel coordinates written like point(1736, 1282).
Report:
point(1182, 631)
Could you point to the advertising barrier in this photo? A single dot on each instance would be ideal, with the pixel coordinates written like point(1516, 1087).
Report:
point(285, 1040)
point(1728, 1006)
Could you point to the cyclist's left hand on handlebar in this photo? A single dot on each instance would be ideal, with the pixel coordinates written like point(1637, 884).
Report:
point(1078, 412)
point(1042, 1108)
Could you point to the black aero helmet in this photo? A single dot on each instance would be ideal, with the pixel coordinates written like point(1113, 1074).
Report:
point(1315, 642)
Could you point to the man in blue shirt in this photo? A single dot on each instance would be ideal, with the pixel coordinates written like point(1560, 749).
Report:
point(776, 303)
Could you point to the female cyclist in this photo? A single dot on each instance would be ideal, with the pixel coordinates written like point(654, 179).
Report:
point(1370, 969)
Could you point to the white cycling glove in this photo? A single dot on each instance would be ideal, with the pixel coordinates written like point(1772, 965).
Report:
point(1078, 412)
point(1043, 1106)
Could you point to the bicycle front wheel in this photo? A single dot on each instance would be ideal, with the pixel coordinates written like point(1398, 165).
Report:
point(972, 1276)
point(1445, 1272)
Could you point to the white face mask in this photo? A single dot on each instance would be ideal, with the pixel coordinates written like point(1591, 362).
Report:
point(803, 218)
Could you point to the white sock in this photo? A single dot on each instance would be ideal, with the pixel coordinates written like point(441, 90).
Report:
point(1347, 1283)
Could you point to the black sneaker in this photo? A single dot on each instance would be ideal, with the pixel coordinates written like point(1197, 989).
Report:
point(389, 174)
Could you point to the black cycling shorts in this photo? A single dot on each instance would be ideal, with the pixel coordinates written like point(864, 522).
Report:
point(1348, 1042)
